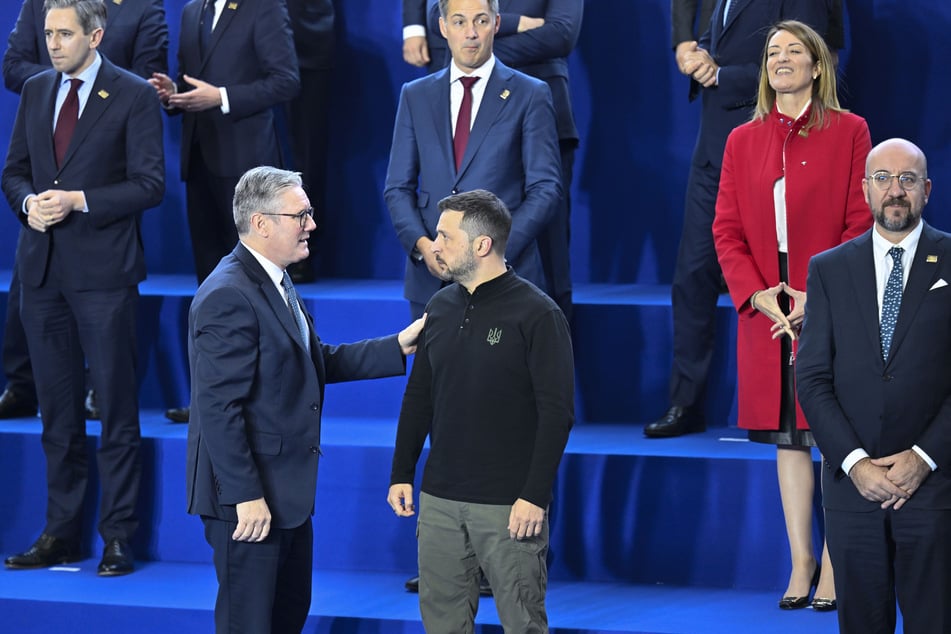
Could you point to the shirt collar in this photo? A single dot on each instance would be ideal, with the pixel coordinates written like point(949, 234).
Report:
point(89, 75)
point(909, 243)
point(273, 271)
point(482, 71)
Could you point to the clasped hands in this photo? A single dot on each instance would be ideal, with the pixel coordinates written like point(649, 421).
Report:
point(49, 208)
point(890, 480)
point(696, 62)
point(767, 303)
point(203, 95)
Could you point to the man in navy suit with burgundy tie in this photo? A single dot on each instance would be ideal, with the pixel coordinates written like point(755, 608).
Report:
point(508, 144)
point(85, 160)
point(873, 380)
point(258, 373)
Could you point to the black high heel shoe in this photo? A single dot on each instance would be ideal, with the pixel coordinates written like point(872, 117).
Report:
point(824, 605)
point(797, 603)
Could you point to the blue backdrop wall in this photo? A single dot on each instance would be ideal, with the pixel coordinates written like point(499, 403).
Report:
point(637, 131)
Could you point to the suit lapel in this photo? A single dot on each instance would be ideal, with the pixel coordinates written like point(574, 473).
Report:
point(48, 118)
point(274, 298)
point(104, 92)
point(735, 9)
point(924, 272)
point(224, 20)
point(442, 114)
point(494, 99)
point(862, 271)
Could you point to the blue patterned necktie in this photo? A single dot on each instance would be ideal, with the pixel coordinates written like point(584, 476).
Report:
point(891, 301)
point(294, 305)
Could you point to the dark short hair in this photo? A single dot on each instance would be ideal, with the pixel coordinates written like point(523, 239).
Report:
point(444, 7)
point(483, 214)
point(91, 13)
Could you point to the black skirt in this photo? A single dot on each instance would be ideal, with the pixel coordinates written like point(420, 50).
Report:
point(787, 434)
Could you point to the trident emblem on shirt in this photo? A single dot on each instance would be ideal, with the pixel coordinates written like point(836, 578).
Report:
point(495, 335)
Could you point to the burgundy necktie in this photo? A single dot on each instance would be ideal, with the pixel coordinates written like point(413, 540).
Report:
point(463, 120)
point(66, 122)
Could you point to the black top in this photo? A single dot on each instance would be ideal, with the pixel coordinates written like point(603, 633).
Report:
point(493, 386)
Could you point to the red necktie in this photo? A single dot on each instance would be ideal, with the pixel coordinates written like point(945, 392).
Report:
point(463, 120)
point(66, 122)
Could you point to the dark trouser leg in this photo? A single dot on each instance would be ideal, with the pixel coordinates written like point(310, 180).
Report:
point(695, 290)
point(16, 354)
point(553, 243)
point(210, 216)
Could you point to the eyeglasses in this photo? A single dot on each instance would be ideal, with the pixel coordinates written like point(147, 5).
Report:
point(301, 216)
point(883, 180)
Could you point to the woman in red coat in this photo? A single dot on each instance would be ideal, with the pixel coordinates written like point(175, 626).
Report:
point(790, 188)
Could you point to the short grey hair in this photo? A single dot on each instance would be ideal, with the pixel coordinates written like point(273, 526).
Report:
point(91, 13)
point(444, 7)
point(258, 191)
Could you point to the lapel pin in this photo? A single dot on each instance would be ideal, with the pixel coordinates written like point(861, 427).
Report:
point(116, 1)
point(103, 94)
point(232, 5)
point(505, 94)
point(931, 258)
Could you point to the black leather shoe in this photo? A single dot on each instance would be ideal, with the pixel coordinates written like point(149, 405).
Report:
point(116, 559)
point(92, 407)
point(177, 414)
point(45, 552)
point(824, 605)
point(412, 584)
point(676, 422)
point(12, 405)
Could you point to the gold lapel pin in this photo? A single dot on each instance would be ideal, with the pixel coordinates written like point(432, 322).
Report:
point(102, 93)
point(505, 94)
point(116, 1)
point(931, 258)
point(232, 5)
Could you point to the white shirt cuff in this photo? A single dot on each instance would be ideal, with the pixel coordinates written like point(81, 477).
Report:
point(225, 104)
point(853, 458)
point(414, 30)
point(921, 454)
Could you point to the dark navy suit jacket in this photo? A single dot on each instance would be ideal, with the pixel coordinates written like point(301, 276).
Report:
point(851, 397)
point(100, 249)
point(512, 152)
point(257, 394)
point(136, 38)
point(251, 54)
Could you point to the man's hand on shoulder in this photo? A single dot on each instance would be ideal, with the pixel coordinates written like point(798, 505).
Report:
point(254, 521)
point(409, 336)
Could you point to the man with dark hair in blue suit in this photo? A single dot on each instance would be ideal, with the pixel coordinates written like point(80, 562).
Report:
point(534, 37)
point(236, 62)
point(258, 373)
point(724, 68)
point(136, 39)
point(508, 144)
point(85, 160)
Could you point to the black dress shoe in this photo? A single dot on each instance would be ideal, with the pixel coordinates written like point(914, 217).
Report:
point(676, 422)
point(412, 584)
point(824, 605)
point(116, 559)
point(45, 552)
point(92, 407)
point(12, 405)
point(177, 414)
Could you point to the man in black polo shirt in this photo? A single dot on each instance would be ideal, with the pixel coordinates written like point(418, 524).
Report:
point(493, 387)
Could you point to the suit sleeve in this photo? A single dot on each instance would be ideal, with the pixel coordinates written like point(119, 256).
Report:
point(22, 57)
point(730, 237)
point(17, 172)
point(144, 183)
point(226, 336)
point(414, 13)
point(683, 13)
point(402, 178)
point(542, 162)
point(556, 38)
point(278, 78)
point(150, 49)
point(368, 359)
point(815, 374)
